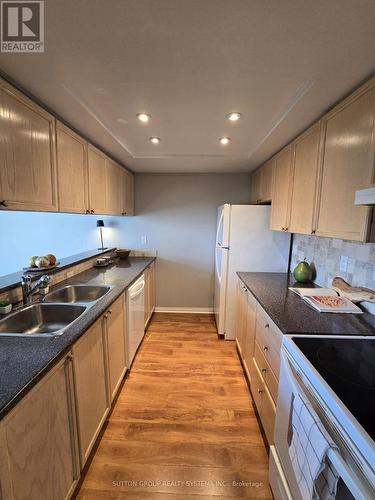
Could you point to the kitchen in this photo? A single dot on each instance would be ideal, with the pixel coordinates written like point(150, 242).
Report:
point(164, 182)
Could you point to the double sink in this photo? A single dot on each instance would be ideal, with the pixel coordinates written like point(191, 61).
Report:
point(51, 317)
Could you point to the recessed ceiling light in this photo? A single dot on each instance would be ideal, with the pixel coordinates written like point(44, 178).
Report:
point(144, 117)
point(155, 140)
point(224, 140)
point(233, 117)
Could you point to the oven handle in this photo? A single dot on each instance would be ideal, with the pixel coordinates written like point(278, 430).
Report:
point(350, 479)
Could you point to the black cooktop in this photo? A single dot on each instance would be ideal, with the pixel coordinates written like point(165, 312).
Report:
point(348, 367)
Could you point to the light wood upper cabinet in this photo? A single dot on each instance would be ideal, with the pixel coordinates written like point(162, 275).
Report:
point(266, 181)
point(261, 184)
point(115, 344)
point(128, 193)
point(41, 462)
point(115, 188)
point(255, 187)
point(348, 164)
point(71, 170)
point(90, 386)
point(97, 181)
point(27, 160)
point(281, 189)
point(306, 151)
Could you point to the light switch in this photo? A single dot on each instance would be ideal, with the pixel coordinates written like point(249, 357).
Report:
point(344, 259)
point(144, 240)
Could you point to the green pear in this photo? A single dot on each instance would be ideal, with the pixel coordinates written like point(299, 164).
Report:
point(302, 272)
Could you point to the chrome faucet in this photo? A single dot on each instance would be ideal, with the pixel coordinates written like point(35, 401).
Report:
point(28, 289)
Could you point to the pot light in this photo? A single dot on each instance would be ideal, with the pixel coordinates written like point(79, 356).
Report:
point(155, 140)
point(233, 117)
point(143, 117)
point(224, 140)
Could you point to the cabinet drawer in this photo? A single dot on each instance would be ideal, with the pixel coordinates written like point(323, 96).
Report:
point(263, 401)
point(266, 372)
point(269, 339)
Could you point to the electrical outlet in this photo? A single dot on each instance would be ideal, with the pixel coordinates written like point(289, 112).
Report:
point(144, 240)
point(344, 260)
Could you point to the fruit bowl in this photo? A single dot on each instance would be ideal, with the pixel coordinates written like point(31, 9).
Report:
point(122, 253)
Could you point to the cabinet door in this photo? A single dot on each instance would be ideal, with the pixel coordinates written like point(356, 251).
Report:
point(41, 444)
point(255, 195)
point(115, 187)
point(152, 288)
point(128, 193)
point(90, 385)
point(27, 160)
point(115, 345)
point(266, 181)
point(348, 163)
point(241, 318)
point(97, 181)
point(250, 322)
point(147, 295)
point(71, 170)
point(281, 190)
point(305, 172)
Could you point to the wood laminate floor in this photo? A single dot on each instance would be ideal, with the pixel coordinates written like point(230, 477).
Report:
point(183, 426)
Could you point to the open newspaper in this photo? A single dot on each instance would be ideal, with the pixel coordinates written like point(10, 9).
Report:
point(326, 300)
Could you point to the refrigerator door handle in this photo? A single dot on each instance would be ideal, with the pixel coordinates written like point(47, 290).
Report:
point(220, 223)
point(216, 266)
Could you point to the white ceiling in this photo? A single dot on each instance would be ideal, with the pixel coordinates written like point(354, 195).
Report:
point(282, 63)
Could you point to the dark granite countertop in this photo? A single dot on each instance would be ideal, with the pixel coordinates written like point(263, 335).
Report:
point(13, 280)
point(24, 360)
point(293, 316)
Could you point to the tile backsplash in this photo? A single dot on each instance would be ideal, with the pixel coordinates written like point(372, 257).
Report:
point(325, 254)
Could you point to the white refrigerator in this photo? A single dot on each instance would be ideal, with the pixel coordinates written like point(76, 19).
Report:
point(244, 242)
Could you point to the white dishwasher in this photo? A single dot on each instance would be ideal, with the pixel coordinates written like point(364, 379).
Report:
point(135, 297)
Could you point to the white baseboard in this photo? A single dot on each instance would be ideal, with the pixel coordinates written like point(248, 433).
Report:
point(185, 310)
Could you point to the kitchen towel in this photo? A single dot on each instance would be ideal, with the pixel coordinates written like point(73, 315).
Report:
point(316, 478)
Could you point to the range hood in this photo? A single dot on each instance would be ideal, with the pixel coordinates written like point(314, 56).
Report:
point(365, 196)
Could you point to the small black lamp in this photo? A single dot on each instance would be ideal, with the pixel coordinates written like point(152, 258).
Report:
point(100, 225)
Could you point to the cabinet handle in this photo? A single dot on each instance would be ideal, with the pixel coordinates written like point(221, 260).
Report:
point(260, 391)
point(87, 211)
point(92, 211)
point(283, 229)
point(244, 288)
point(105, 316)
point(266, 325)
point(123, 213)
point(286, 229)
point(3, 203)
point(109, 311)
point(70, 357)
point(313, 231)
point(265, 348)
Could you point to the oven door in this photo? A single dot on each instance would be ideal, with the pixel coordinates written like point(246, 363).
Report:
point(292, 383)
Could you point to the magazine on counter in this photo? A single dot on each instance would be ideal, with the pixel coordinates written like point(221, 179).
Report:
point(326, 300)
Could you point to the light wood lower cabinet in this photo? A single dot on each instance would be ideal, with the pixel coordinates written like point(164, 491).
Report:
point(71, 170)
point(39, 451)
point(245, 324)
point(28, 157)
point(115, 344)
point(150, 295)
point(91, 389)
point(259, 345)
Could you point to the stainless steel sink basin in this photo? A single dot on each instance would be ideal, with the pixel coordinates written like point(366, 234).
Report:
point(77, 293)
point(40, 320)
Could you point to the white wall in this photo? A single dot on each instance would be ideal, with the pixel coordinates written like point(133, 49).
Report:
point(23, 234)
point(177, 214)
